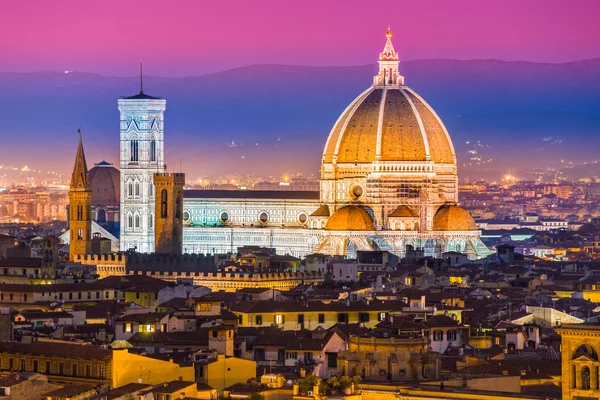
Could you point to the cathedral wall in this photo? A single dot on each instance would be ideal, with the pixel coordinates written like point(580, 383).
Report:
point(247, 212)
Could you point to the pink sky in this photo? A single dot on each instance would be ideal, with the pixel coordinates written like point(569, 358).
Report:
point(189, 37)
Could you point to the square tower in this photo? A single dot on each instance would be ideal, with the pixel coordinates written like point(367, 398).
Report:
point(168, 213)
point(80, 206)
point(141, 156)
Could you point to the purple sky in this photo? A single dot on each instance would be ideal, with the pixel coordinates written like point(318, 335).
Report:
point(190, 37)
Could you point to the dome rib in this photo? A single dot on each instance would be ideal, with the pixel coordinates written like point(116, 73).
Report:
point(333, 141)
point(439, 121)
point(421, 127)
point(359, 137)
point(380, 124)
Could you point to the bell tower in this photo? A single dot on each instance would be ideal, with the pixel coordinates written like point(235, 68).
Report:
point(168, 231)
point(142, 155)
point(80, 205)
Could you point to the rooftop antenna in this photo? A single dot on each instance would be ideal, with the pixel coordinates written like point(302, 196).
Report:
point(141, 79)
point(79, 131)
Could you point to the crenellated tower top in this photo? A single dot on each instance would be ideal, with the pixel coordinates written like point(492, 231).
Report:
point(389, 62)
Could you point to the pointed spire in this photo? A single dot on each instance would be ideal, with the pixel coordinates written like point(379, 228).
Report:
point(388, 64)
point(141, 79)
point(80, 179)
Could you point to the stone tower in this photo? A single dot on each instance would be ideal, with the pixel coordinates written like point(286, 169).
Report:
point(168, 210)
point(141, 155)
point(80, 206)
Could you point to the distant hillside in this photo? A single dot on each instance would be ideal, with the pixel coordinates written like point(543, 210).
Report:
point(522, 112)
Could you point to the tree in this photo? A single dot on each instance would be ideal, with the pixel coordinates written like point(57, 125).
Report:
point(307, 383)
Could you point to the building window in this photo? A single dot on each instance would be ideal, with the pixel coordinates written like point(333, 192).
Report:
point(130, 191)
point(163, 203)
point(130, 220)
point(291, 355)
point(178, 206)
point(101, 374)
point(137, 221)
point(259, 320)
point(331, 360)
point(79, 213)
point(451, 335)
point(363, 317)
point(88, 370)
point(101, 215)
point(382, 316)
point(74, 369)
point(263, 218)
point(343, 318)
point(134, 147)
point(127, 327)
point(438, 336)
point(279, 319)
point(300, 319)
point(137, 188)
point(79, 234)
point(153, 150)
point(321, 318)
point(48, 365)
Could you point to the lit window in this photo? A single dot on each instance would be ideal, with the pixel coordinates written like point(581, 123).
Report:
point(438, 336)
point(278, 319)
point(128, 327)
point(451, 335)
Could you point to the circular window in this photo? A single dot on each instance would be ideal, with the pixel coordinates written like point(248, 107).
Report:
point(302, 218)
point(263, 218)
point(224, 217)
point(186, 216)
point(356, 192)
point(382, 372)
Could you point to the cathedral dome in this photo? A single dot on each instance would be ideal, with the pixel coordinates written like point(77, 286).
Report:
point(389, 122)
point(105, 184)
point(453, 218)
point(350, 218)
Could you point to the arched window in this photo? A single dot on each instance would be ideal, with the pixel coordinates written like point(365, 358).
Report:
point(79, 213)
point(178, 205)
point(130, 221)
point(80, 234)
point(101, 215)
point(163, 203)
point(134, 147)
point(137, 188)
point(153, 150)
point(137, 221)
point(130, 189)
point(150, 220)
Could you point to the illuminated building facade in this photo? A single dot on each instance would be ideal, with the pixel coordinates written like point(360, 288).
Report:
point(141, 156)
point(388, 180)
